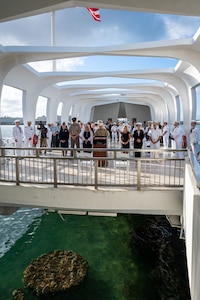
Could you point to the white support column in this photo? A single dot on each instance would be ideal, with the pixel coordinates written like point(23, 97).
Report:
point(194, 103)
point(51, 112)
point(53, 36)
point(28, 107)
point(66, 111)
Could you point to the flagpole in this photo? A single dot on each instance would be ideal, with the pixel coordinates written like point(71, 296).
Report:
point(53, 37)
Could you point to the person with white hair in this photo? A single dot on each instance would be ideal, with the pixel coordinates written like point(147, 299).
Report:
point(18, 136)
point(100, 141)
point(95, 127)
point(28, 133)
point(87, 136)
point(101, 131)
point(193, 137)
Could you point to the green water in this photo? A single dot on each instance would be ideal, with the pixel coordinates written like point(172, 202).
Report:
point(116, 271)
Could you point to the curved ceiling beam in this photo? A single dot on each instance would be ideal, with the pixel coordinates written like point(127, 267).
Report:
point(37, 83)
point(25, 8)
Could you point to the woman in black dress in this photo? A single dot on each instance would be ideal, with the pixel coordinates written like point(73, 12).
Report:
point(87, 137)
point(138, 136)
point(125, 137)
point(64, 138)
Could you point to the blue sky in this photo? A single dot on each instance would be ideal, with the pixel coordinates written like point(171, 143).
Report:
point(76, 27)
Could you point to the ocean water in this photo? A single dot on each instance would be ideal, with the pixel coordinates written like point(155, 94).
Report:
point(12, 227)
point(119, 269)
point(7, 134)
point(126, 260)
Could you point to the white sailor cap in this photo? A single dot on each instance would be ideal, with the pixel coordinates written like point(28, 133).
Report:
point(100, 122)
point(16, 121)
point(139, 123)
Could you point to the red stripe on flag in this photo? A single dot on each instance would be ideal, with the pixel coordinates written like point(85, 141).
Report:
point(95, 13)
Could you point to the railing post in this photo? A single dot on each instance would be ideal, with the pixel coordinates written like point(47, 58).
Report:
point(37, 153)
point(17, 170)
point(96, 174)
point(138, 174)
point(55, 172)
point(2, 152)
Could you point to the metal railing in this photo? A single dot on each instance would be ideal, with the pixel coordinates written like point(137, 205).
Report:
point(195, 166)
point(117, 169)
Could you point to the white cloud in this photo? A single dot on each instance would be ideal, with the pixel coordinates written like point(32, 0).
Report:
point(68, 64)
point(109, 35)
point(180, 27)
point(11, 102)
point(9, 39)
point(41, 106)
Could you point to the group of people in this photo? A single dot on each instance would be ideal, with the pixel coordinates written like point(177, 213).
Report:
point(82, 135)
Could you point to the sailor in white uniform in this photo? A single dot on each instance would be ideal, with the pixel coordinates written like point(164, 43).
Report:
point(194, 138)
point(165, 135)
point(49, 135)
point(114, 130)
point(177, 136)
point(155, 135)
point(28, 133)
point(18, 136)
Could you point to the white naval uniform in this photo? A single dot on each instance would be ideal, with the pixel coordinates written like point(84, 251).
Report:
point(154, 134)
point(194, 140)
point(166, 136)
point(28, 133)
point(114, 130)
point(178, 141)
point(18, 137)
point(49, 137)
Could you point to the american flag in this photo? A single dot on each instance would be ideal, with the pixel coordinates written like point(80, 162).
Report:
point(95, 13)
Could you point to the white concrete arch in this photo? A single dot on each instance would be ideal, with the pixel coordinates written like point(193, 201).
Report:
point(146, 99)
point(66, 109)
point(23, 8)
point(170, 77)
point(98, 93)
point(85, 75)
point(90, 106)
point(34, 92)
point(129, 75)
point(186, 50)
point(165, 93)
point(52, 108)
point(163, 89)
